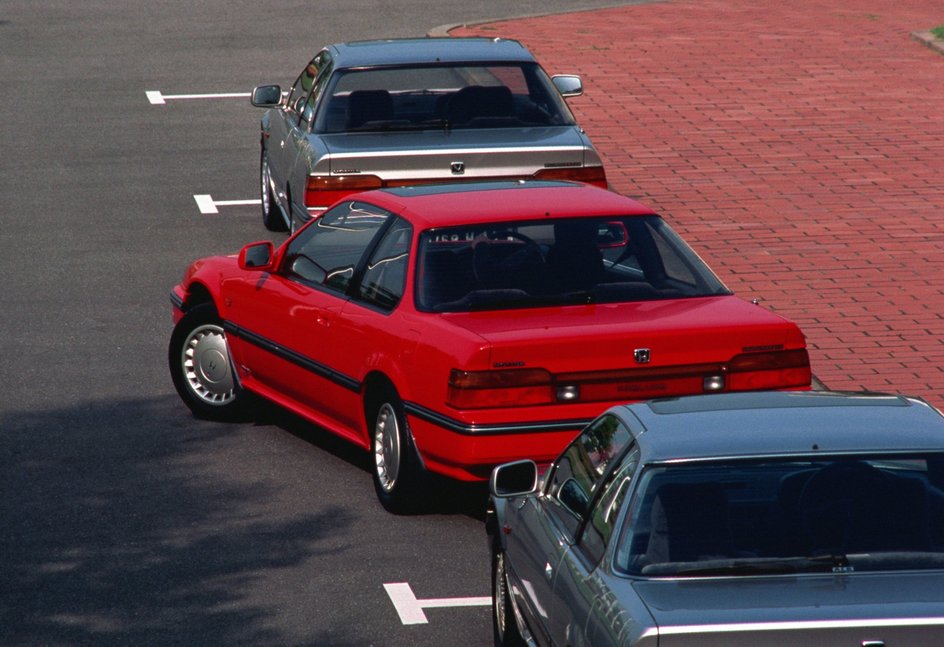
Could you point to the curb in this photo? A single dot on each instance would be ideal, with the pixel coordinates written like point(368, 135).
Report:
point(928, 39)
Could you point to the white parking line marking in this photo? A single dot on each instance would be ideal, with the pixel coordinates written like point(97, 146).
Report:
point(157, 98)
point(410, 608)
point(208, 205)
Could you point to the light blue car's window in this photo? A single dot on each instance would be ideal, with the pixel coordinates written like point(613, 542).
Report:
point(581, 469)
point(828, 514)
point(602, 518)
point(327, 252)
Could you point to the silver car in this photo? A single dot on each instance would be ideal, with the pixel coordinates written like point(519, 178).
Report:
point(782, 518)
point(372, 114)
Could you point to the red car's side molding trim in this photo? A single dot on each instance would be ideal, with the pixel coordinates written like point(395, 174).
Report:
point(291, 356)
point(459, 427)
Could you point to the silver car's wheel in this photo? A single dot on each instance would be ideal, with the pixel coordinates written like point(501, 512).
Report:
point(200, 365)
point(387, 448)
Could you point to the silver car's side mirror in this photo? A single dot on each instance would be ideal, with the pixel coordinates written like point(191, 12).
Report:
point(569, 85)
point(266, 96)
point(514, 479)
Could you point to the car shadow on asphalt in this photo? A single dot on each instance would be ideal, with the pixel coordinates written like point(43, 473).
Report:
point(444, 496)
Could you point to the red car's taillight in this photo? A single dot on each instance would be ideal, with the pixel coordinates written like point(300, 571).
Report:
point(529, 387)
point(321, 191)
point(594, 175)
point(777, 370)
point(512, 388)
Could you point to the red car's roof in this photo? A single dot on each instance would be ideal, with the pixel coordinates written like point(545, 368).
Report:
point(471, 202)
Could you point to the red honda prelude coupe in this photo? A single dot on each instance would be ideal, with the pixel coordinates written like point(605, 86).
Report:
point(454, 327)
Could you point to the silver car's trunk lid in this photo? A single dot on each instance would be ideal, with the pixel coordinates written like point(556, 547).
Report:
point(457, 154)
point(890, 609)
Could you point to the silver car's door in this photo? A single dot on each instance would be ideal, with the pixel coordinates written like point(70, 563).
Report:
point(285, 124)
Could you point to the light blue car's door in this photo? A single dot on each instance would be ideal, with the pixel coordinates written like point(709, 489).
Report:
point(544, 528)
point(578, 586)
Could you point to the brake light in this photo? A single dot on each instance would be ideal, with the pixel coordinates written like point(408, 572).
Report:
point(594, 175)
point(512, 388)
point(321, 191)
point(779, 370)
point(530, 387)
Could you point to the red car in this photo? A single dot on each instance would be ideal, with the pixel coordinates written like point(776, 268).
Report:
point(451, 328)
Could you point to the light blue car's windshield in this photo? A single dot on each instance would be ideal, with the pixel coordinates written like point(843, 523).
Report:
point(835, 515)
point(441, 96)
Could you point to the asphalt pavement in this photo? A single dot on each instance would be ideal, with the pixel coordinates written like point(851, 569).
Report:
point(798, 146)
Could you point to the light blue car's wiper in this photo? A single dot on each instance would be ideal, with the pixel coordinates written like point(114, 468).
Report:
point(754, 566)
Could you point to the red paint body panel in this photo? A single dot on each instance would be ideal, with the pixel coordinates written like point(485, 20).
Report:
point(316, 352)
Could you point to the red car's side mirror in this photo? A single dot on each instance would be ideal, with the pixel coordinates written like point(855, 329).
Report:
point(257, 256)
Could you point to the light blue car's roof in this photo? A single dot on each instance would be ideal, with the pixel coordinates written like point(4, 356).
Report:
point(782, 423)
point(409, 51)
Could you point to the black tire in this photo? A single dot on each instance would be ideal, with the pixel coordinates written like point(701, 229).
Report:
point(504, 622)
point(395, 466)
point(271, 214)
point(200, 366)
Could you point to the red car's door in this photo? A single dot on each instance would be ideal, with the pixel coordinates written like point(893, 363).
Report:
point(286, 323)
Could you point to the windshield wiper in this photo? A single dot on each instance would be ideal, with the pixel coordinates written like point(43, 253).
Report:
point(754, 566)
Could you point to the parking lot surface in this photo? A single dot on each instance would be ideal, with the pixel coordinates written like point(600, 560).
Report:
point(799, 146)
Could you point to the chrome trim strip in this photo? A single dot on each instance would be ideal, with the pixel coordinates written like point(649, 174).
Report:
point(291, 356)
point(865, 623)
point(431, 152)
point(176, 300)
point(459, 427)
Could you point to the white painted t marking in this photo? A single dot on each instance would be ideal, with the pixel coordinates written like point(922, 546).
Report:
point(410, 608)
point(208, 205)
point(157, 98)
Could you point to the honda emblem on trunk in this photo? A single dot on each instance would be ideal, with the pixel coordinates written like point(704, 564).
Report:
point(458, 168)
point(642, 355)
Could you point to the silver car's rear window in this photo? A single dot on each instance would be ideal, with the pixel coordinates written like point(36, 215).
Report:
point(441, 96)
point(563, 262)
point(820, 514)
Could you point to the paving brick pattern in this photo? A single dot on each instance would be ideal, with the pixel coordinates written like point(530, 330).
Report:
point(799, 146)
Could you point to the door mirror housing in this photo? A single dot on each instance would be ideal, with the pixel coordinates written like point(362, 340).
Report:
point(514, 479)
point(257, 256)
point(266, 96)
point(569, 85)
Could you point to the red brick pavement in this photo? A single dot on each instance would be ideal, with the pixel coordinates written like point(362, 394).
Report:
point(799, 146)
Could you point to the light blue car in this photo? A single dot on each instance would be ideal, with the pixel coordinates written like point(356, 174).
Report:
point(784, 518)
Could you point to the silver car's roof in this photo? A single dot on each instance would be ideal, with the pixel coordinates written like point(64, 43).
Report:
point(782, 423)
point(409, 51)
